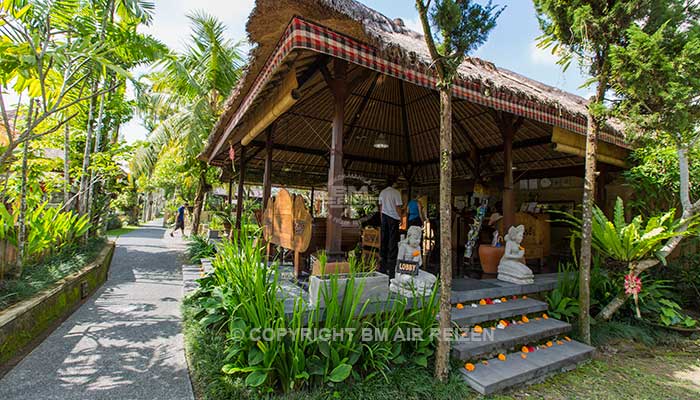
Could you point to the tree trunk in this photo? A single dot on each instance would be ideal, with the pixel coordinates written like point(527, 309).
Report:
point(442, 356)
point(21, 220)
point(586, 231)
point(84, 177)
point(202, 189)
point(97, 149)
point(66, 167)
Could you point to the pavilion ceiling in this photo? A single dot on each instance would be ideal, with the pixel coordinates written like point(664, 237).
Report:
point(409, 117)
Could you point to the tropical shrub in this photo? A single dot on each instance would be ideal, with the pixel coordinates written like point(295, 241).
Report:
point(628, 242)
point(638, 244)
point(198, 247)
point(310, 346)
point(49, 230)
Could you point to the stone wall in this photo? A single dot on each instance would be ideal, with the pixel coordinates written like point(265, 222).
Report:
point(23, 322)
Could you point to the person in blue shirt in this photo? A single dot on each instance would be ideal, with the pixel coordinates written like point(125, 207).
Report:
point(415, 214)
point(180, 220)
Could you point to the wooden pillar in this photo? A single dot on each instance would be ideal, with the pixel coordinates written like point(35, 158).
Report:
point(230, 192)
point(311, 210)
point(508, 125)
point(267, 177)
point(601, 181)
point(508, 194)
point(239, 196)
point(336, 196)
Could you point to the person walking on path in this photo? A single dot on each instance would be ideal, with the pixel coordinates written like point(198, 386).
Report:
point(390, 210)
point(180, 220)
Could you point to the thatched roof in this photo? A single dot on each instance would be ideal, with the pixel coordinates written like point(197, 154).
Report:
point(392, 41)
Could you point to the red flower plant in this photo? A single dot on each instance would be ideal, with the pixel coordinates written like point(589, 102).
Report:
point(633, 285)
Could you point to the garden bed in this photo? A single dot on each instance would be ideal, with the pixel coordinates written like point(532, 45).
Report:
point(668, 370)
point(31, 318)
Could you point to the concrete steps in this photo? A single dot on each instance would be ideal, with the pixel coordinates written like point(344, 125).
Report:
point(499, 375)
point(500, 340)
point(494, 312)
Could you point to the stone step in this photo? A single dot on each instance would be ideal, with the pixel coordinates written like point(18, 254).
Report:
point(475, 345)
point(499, 375)
point(494, 312)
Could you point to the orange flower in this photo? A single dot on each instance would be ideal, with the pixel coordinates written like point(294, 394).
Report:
point(502, 357)
point(482, 302)
point(545, 316)
point(478, 329)
point(460, 306)
point(549, 344)
point(523, 356)
point(559, 342)
point(469, 367)
point(525, 319)
point(525, 349)
point(568, 339)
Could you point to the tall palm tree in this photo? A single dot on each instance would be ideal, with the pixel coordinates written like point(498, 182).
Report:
point(192, 85)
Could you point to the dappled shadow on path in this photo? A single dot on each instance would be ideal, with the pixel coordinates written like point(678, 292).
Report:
point(124, 343)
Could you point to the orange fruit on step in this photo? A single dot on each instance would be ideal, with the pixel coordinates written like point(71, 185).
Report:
point(525, 319)
point(502, 357)
point(568, 339)
point(525, 349)
point(478, 329)
point(503, 300)
point(482, 302)
point(524, 297)
point(469, 367)
point(559, 342)
point(523, 356)
point(549, 344)
point(460, 306)
point(545, 316)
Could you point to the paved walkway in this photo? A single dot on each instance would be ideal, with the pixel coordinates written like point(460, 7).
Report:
point(125, 342)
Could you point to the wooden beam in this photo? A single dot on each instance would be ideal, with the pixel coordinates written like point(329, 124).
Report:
point(361, 109)
point(521, 144)
point(241, 178)
point(339, 86)
point(267, 178)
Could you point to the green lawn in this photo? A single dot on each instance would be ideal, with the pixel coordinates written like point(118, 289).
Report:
point(121, 231)
point(620, 370)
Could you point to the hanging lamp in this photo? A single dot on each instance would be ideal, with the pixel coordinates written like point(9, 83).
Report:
point(382, 142)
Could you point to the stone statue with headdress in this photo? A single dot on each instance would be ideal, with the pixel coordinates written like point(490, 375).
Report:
point(512, 267)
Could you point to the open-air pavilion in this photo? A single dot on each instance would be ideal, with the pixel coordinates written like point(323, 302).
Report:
point(347, 93)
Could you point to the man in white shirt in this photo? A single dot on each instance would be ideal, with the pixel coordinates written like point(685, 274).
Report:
point(390, 210)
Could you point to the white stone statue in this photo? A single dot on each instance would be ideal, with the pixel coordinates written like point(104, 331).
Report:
point(410, 285)
point(512, 267)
